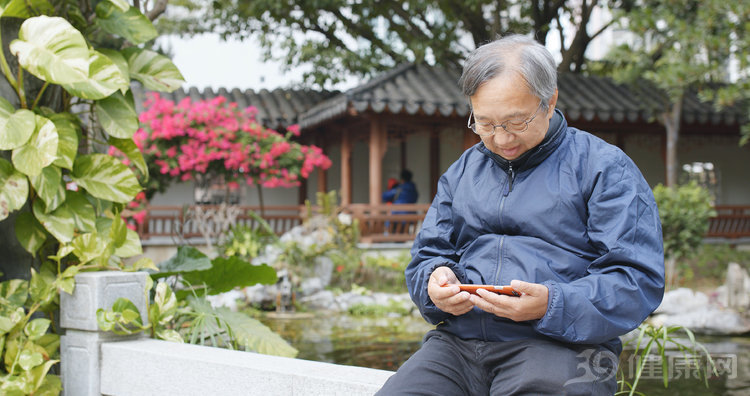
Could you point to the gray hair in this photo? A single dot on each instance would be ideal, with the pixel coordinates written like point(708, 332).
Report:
point(511, 53)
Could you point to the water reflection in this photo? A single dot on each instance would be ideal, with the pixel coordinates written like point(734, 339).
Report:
point(382, 342)
point(386, 342)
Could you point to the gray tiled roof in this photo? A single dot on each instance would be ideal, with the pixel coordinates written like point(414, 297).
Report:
point(277, 109)
point(433, 91)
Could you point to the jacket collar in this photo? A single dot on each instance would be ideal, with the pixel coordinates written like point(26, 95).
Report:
point(552, 139)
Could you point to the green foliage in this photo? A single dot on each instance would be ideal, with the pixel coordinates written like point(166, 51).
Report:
point(248, 242)
point(185, 315)
point(221, 327)
point(660, 339)
point(379, 310)
point(681, 46)
point(336, 39)
point(227, 273)
point(200, 275)
point(684, 213)
point(28, 350)
point(709, 263)
point(327, 232)
point(186, 259)
point(123, 318)
point(68, 55)
point(385, 273)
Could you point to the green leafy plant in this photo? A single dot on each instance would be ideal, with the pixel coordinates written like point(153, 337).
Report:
point(248, 242)
point(185, 315)
point(67, 96)
point(384, 272)
point(123, 318)
point(709, 264)
point(29, 351)
point(684, 213)
point(656, 341)
point(326, 232)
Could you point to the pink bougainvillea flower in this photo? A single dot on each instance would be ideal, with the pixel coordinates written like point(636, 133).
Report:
point(216, 138)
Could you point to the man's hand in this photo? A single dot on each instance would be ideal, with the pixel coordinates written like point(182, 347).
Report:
point(449, 299)
point(531, 305)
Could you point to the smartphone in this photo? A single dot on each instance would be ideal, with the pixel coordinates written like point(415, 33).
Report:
point(507, 290)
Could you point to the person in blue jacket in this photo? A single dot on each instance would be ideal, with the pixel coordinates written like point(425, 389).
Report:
point(403, 193)
point(563, 217)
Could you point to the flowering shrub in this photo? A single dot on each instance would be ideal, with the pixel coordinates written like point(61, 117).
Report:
point(202, 140)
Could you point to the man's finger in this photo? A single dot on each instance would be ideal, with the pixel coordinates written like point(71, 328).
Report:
point(533, 289)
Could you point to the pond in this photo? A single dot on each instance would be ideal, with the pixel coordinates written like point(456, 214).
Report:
point(386, 342)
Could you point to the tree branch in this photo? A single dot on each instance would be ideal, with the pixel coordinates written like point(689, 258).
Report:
point(159, 7)
point(367, 34)
point(415, 29)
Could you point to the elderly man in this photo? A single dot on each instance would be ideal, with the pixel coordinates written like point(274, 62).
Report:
point(563, 217)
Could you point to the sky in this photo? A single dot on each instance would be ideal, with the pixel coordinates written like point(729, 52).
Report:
point(207, 61)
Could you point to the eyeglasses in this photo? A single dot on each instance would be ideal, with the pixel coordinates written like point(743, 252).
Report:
point(510, 126)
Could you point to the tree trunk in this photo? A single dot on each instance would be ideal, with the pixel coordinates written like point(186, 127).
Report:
point(671, 121)
point(260, 199)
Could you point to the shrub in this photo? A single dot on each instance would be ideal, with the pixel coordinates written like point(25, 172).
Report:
point(684, 213)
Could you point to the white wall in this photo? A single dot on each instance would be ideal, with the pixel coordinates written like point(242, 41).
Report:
point(183, 194)
point(730, 161)
point(646, 152)
point(418, 162)
point(361, 171)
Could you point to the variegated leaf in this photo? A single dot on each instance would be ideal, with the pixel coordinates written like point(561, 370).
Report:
point(14, 189)
point(155, 71)
point(39, 151)
point(52, 49)
point(104, 78)
point(105, 177)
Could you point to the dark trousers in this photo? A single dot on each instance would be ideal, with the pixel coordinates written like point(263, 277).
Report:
point(447, 365)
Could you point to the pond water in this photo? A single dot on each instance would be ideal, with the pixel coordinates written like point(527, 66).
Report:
point(386, 342)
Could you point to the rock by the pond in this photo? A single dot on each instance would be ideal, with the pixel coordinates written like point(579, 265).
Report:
point(737, 288)
point(694, 310)
point(322, 300)
point(311, 286)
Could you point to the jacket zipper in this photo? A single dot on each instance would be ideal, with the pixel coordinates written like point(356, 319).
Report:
point(511, 178)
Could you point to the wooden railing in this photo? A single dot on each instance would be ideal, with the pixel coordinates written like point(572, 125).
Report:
point(378, 223)
point(730, 222)
point(181, 222)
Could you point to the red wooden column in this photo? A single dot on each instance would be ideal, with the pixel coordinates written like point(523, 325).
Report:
point(346, 168)
point(377, 150)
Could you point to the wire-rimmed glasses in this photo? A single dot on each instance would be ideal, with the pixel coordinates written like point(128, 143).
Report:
point(510, 126)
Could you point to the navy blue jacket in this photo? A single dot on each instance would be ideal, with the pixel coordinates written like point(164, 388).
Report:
point(574, 213)
point(404, 193)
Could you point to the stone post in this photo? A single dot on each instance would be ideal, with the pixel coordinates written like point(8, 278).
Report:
point(80, 352)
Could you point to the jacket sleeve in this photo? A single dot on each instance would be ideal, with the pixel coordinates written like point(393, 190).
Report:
point(433, 248)
point(388, 195)
point(626, 282)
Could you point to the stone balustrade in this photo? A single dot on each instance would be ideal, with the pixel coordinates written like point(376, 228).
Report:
point(94, 362)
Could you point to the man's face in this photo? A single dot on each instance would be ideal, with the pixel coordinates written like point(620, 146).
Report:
point(507, 98)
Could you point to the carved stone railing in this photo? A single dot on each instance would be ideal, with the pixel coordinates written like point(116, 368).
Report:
point(96, 363)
